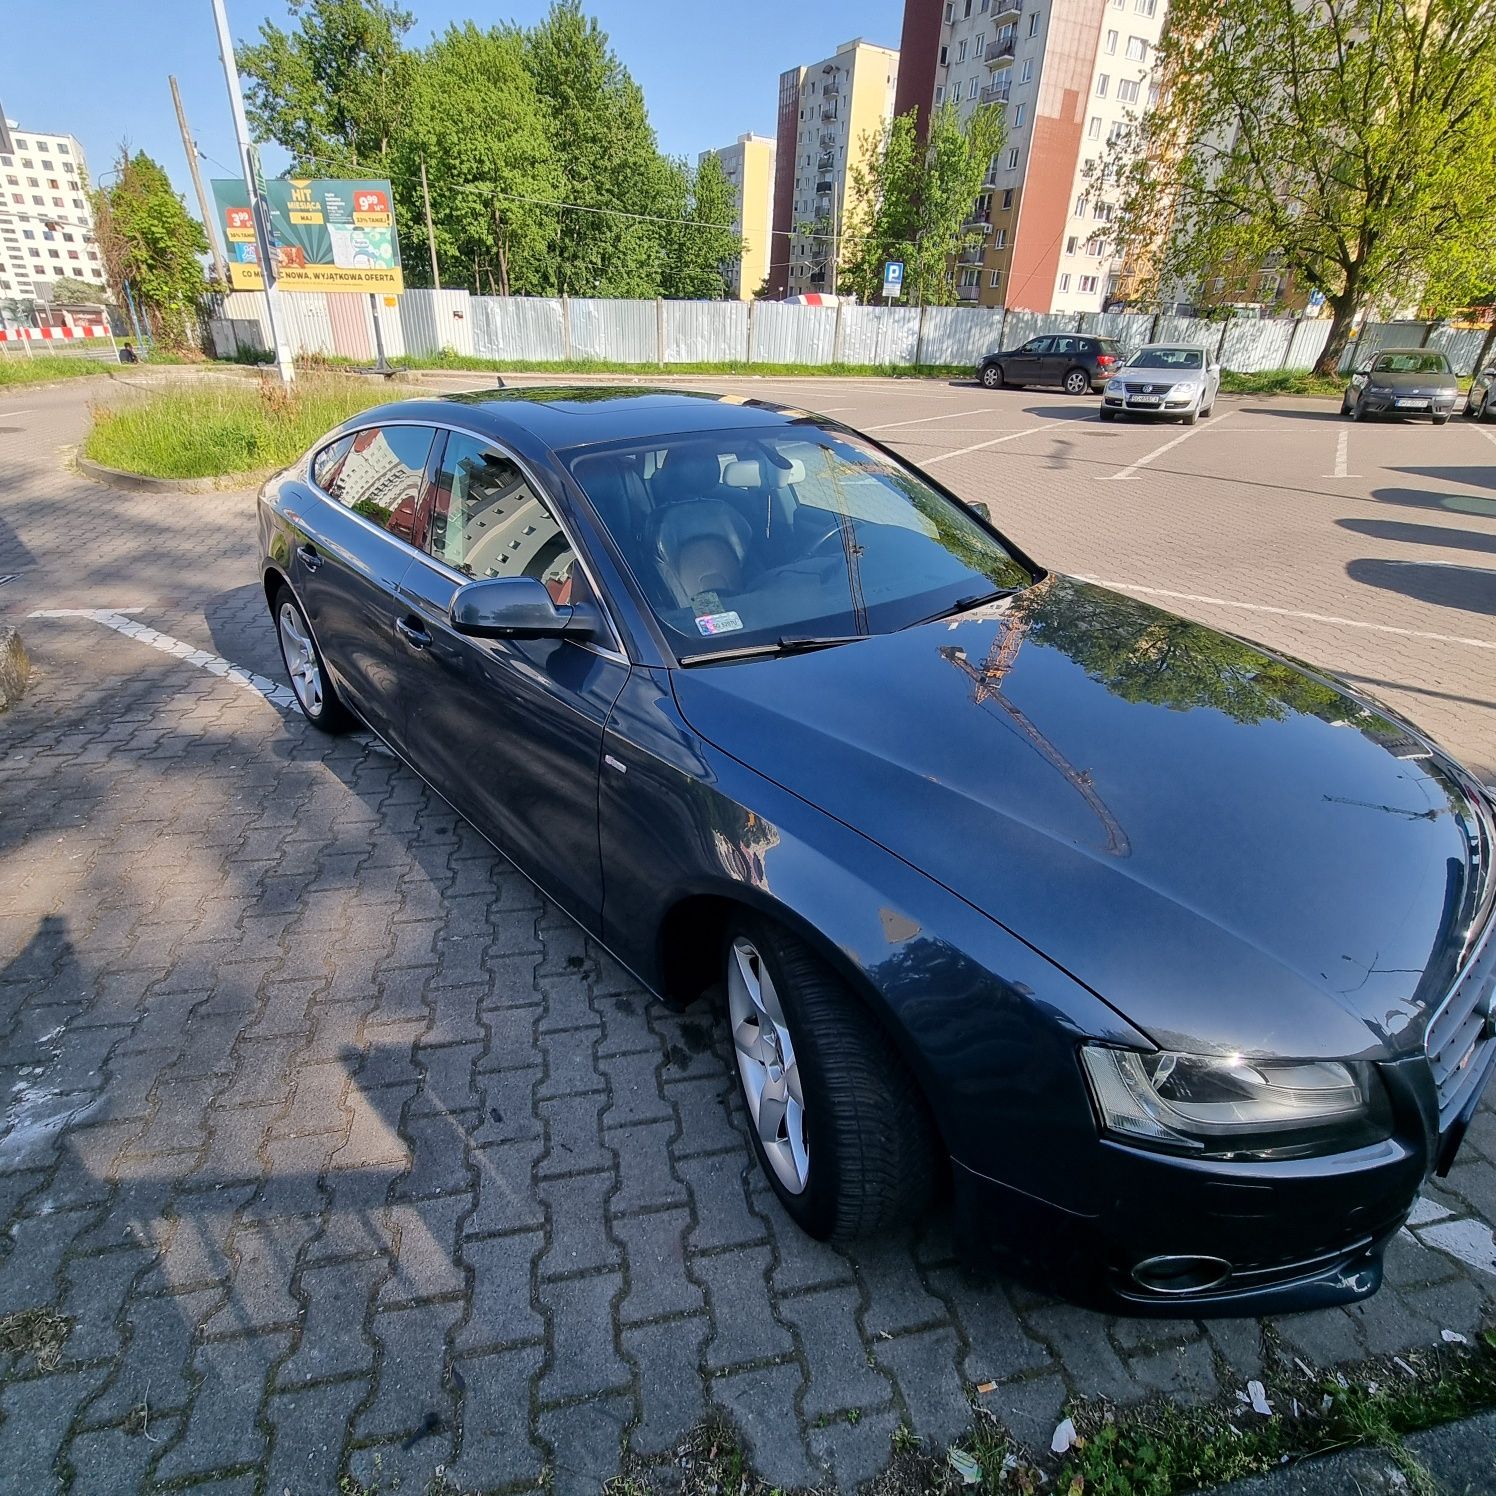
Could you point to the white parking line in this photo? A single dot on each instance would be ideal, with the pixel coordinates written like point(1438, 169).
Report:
point(950, 415)
point(1488, 435)
point(1349, 623)
point(5, 414)
point(116, 619)
point(1130, 471)
point(996, 441)
point(1343, 457)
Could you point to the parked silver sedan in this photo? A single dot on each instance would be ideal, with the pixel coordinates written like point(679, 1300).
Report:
point(1178, 380)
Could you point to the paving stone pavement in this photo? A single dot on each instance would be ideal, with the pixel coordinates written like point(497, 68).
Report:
point(345, 1152)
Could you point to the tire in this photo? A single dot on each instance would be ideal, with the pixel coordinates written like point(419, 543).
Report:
point(992, 377)
point(1485, 409)
point(1355, 412)
point(314, 691)
point(1441, 420)
point(1076, 382)
point(1107, 413)
point(1190, 417)
point(1345, 405)
point(856, 1155)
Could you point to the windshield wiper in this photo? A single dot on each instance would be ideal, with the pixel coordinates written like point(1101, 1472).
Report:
point(786, 645)
point(962, 604)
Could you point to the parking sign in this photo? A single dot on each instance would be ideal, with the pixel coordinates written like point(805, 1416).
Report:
point(893, 278)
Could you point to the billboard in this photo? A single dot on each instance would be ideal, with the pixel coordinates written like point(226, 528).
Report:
point(326, 235)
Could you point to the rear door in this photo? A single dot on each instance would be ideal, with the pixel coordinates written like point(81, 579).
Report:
point(354, 546)
point(1064, 354)
point(509, 730)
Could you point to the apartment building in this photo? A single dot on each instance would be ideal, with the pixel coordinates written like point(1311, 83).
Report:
point(748, 164)
point(1068, 74)
point(825, 111)
point(46, 223)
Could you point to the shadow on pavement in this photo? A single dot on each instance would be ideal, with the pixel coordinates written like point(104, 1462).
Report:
point(1472, 589)
point(1437, 535)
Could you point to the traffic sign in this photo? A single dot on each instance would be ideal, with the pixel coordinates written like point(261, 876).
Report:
point(893, 278)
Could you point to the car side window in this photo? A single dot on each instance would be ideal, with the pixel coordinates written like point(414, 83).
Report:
point(1036, 345)
point(488, 521)
point(1067, 346)
point(380, 475)
point(329, 462)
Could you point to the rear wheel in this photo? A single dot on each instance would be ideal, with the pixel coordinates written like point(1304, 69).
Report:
point(315, 693)
point(992, 377)
point(1077, 382)
point(836, 1120)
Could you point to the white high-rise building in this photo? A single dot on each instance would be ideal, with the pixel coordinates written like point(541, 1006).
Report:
point(46, 223)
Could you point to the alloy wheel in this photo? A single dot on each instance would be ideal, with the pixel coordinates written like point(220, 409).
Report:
point(1077, 382)
point(301, 659)
point(992, 377)
point(767, 1065)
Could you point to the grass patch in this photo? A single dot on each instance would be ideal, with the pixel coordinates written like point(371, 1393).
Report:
point(1281, 382)
point(212, 430)
point(46, 367)
point(36, 1332)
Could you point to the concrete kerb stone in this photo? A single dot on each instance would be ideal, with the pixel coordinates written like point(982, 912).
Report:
point(15, 668)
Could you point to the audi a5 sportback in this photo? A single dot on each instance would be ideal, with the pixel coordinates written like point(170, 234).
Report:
point(1402, 382)
point(1172, 957)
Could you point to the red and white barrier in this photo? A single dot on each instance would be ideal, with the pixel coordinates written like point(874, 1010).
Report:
point(50, 334)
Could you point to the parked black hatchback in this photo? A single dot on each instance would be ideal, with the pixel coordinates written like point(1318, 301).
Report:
point(1172, 958)
point(1078, 364)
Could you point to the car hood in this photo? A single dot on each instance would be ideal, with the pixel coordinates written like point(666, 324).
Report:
point(1230, 850)
point(1414, 384)
point(1160, 376)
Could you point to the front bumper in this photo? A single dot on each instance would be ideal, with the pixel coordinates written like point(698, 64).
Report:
point(1389, 403)
point(1152, 405)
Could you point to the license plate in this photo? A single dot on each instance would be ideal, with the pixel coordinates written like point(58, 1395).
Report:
point(1413, 404)
point(1145, 399)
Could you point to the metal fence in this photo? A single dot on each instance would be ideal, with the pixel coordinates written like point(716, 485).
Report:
point(656, 334)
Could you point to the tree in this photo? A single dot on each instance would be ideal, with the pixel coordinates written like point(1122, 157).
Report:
point(698, 248)
point(910, 198)
point(73, 289)
point(151, 244)
point(333, 90)
point(473, 116)
point(607, 156)
point(1347, 141)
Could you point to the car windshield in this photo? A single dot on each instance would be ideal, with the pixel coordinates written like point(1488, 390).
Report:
point(1167, 358)
point(756, 537)
point(1418, 362)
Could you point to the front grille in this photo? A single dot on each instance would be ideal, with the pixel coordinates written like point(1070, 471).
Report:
point(1462, 1031)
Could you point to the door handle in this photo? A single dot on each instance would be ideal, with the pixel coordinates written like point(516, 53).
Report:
point(308, 556)
point(412, 632)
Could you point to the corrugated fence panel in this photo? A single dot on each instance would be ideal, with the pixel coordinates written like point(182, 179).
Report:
point(793, 334)
point(960, 334)
point(1461, 345)
point(307, 323)
point(705, 331)
point(390, 328)
point(1021, 326)
point(434, 320)
point(347, 311)
point(1309, 339)
point(518, 327)
point(625, 331)
point(1254, 347)
point(879, 334)
point(1374, 336)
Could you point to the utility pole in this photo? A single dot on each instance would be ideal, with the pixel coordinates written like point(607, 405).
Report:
point(835, 217)
point(250, 165)
point(220, 270)
point(436, 279)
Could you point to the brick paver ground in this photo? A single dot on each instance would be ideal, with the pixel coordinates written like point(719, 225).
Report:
point(346, 1153)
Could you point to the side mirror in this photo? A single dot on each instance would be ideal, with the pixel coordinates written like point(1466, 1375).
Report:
point(516, 608)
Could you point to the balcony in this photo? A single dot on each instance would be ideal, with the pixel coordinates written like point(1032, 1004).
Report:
point(978, 223)
point(996, 93)
point(1000, 53)
point(1002, 9)
point(828, 111)
point(824, 188)
point(817, 277)
point(968, 293)
point(831, 90)
point(826, 160)
point(971, 255)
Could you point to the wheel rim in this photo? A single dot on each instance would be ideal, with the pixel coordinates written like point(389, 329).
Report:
point(767, 1065)
point(301, 660)
point(1077, 383)
point(991, 378)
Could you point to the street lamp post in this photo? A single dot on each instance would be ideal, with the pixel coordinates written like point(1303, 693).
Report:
point(258, 206)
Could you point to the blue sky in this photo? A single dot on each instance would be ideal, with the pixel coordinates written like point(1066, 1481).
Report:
point(709, 71)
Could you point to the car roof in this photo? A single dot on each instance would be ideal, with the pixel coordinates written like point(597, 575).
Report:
point(1171, 348)
point(560, 416)
point(1377, 353)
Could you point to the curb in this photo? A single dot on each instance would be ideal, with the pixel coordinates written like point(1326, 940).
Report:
point(139, 483)
point(15, 668)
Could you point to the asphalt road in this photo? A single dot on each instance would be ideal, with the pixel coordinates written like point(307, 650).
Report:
point(342, 1152)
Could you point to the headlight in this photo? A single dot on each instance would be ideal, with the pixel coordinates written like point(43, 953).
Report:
point(1228, 1104)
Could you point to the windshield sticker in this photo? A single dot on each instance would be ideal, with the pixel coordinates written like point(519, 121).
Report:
point(718, 623)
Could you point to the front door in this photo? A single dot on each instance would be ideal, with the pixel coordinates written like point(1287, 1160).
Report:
point(1025, 366)
point(509, 730)
point(351, 558)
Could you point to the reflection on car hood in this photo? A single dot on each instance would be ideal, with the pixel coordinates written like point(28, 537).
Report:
point(1229, 849)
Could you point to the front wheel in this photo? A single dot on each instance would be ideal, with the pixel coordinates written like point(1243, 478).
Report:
point(1356, 412)
point(315, 693)
point(1107, 413)
point(1441, 420)
point(836, 1120)
point(1191, 416)
point(1485, 409)
point(992, 377)
point(1077, 382)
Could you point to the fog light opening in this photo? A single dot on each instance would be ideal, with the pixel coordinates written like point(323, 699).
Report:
point(1186, 1274)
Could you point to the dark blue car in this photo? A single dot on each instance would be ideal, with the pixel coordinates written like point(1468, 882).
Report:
point(1169, 958)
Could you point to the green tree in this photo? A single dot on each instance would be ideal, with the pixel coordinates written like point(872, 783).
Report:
point(152, 244)
point(473, 116)
point(1347, 141)
point(607, 155)
point(699, 247)
point(910, 199)
point(73, 289)
point(333, 90)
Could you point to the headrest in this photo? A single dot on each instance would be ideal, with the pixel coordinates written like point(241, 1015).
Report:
point(794, 473)
point(689, 473)
point(743, 472)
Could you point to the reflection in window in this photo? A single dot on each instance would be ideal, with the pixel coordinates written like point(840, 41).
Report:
point(378, 473)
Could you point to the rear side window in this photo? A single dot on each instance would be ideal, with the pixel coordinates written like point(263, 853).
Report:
point(379, 475)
